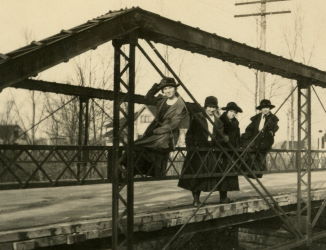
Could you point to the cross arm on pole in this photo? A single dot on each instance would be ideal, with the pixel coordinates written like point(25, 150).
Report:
point(264, 13)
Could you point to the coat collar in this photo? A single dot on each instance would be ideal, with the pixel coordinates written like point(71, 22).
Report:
point(269, 116)
point(225, 119)
point(175, 108)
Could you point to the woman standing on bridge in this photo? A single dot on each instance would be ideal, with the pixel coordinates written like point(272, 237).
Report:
point(160, 138)
point(259, 135)
point(201, 162)
point(232, 130)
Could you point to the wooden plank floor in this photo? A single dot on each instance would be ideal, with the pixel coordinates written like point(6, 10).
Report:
point(28, 208)
point(63, 212)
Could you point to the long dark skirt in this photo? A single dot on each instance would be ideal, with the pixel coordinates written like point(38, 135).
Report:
point(230, 183)
point(150, 162)
point(203, 165)
point(257, 163)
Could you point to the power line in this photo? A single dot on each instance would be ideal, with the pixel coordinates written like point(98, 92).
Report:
point(261, 76)
point(262, 1)
point(264, 13)
point(52, 113)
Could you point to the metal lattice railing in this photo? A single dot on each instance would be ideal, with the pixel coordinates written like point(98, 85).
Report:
point(24, 166)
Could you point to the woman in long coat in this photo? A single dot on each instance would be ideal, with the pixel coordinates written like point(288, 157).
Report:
point(200, 163)
point(232, 130)
point(261, 129)
point(152, 150)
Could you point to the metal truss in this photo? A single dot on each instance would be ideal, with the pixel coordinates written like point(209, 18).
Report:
point(123, 200)
point(83, 124)
point(26, 166)
point(236, 159)
point(304, 159)
point(94, 167)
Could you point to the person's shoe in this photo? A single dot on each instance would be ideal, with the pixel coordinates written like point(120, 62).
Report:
point(196, 203)
point(226, 200)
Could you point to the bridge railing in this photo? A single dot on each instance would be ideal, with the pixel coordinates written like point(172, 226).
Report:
point(25, 166)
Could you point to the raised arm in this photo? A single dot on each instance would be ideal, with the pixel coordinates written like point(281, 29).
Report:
point(150, 96)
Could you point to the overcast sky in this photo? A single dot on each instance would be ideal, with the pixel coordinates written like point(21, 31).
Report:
point(204, 76)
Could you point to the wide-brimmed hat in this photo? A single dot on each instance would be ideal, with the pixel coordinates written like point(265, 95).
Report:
point(265, 104)
point(232, 106)
point(211, 101)
point(167, 81)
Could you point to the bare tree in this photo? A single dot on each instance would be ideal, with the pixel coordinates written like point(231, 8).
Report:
point(91, 70)
point(294, 40)
point(28, 120)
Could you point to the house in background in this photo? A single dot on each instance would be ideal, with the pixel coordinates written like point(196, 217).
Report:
point(12, 134)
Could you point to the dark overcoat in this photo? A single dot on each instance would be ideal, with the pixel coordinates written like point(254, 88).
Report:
point(265, 139)
point(232, 130)
point(262, 141)
point(199, 161)
point(152, 149)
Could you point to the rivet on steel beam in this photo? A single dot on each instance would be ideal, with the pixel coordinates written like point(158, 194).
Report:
point(36, 43)
point(66, 31)
point(4, 57)
point(93, 21)
point(66, 60)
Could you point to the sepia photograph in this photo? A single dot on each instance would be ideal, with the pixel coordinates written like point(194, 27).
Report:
point(162, 124)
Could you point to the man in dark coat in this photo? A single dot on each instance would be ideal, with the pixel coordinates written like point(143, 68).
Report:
point(153, 148)
point(200, 163)
point(232, 130)
point(262, 130)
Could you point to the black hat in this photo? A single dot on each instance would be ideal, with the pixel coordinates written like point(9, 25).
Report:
point(232, 106)
point(211, 101)
point(167, 81)
point(265, 104)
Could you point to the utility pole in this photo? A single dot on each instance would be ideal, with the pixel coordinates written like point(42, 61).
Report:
point(261, 76)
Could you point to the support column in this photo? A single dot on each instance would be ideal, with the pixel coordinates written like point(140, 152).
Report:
point(83, 119)
point(304, 158)
point(130, 147)
point(123, 176)
point(116, 142)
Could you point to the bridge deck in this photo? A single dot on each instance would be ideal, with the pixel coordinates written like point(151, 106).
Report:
point(49, 216)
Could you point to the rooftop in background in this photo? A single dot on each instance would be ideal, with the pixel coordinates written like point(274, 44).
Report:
point(11, 133)
point(38, 56)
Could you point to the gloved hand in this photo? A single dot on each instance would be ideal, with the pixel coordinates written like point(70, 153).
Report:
point(156, 86)
point(226, 138)
point(157, 131)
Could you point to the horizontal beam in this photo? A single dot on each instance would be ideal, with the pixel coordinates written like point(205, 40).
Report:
point(72, 90)
point(81, 91)
point(39, 56)
point(30, 60)
point(260, 2)
point(178, 35)
point(264, 13)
